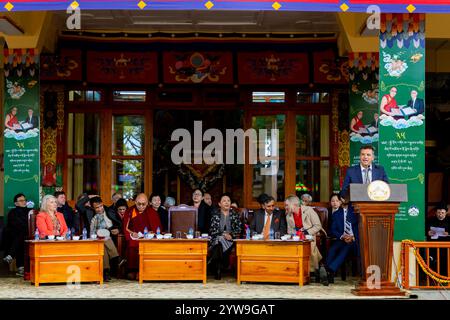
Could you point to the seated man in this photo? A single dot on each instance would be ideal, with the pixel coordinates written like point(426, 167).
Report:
point(438, 228)
point(344, 227)
point(136, 218)
point(85, 210)
point(71, 217)
point(306, 199)
point(268, 218)
point(101, 220)
point(16, 232)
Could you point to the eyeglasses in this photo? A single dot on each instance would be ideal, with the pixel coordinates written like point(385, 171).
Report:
point(21, 200)
point(141, 204)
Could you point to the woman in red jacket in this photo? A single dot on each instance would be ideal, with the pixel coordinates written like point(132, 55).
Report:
point(49, 221)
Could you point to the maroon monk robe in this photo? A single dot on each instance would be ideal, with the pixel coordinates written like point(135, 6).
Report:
point(150, 219)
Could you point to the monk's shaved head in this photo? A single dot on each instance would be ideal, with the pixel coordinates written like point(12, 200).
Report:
point(141, 202)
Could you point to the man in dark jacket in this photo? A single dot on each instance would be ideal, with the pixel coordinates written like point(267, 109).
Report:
point(16, 232)
point(268, 218)
point(71, 217)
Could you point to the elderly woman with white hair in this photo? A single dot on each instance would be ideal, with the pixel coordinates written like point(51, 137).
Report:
point(303, 219)
point(49, 221)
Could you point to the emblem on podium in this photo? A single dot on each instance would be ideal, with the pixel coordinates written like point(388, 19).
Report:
point(378, 190)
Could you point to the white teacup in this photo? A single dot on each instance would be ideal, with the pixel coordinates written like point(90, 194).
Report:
point(167, 235)
point(150, 235)
point(189, 236)
point(205, 235)
point(93, 236)
point(59, 238)
point(76, 238)
point(296, 238)
point(159, 236)
point(51, 237)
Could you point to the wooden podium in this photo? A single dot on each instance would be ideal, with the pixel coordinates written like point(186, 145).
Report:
point(376, 235)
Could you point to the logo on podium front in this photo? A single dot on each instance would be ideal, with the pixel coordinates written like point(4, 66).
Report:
point(378, 190)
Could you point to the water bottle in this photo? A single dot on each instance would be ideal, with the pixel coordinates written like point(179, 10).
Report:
point(271, 234)
point(191, 231)
point(36, 234)
point(84, 234)
point(68, 235)
point(158, 231)
point(247, 233)
point(145, 233)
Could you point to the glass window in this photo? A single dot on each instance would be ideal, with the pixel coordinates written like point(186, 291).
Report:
point(268, 177)
point(313, 177)
point(127, 177)
point(311, 135)
point(268, 97)
point(85, 96)
point(313, 97)
point(83, 134)
point(128, 133)
point(129, 96)
point(268, 174)
point(83, 175)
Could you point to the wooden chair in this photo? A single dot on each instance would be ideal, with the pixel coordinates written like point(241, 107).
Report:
point(182, 218)
point(31, 229)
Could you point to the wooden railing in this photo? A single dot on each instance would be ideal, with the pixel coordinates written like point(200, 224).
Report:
point(436, 256)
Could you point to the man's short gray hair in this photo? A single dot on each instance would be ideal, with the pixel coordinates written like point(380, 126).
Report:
point(307, 197)
point(169, 201)
point(293, 199)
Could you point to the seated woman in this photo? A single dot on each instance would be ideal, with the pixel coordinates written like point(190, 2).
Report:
point(225, 226)
point(155, 203)
point(120, 207)
point(49, 221)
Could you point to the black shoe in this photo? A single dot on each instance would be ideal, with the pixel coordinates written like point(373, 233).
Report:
point(218, 274)
point(330, 277)
point(317, 276)
point(106, 275)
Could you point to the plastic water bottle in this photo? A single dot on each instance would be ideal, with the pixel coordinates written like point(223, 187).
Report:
point(247, 233)
point(84, 234)
point(191, 231)
point(145, 233)
point(36, 234)
point(158, 231)
point(271, 234)
point(68, 235)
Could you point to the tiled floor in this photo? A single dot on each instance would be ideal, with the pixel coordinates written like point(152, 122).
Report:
point(17, 288)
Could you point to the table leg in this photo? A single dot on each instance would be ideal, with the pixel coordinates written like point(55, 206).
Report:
point(300, 272)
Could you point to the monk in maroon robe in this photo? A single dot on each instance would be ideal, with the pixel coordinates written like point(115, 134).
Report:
point(135, 220)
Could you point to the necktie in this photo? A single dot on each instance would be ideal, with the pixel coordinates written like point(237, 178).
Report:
point(366, 176)
point(347, 225)
point(266, 228)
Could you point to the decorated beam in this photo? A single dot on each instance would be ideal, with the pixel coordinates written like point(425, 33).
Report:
point(397, 6)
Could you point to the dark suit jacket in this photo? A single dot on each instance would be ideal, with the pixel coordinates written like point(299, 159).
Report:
point(278, 223)
point(33, 121)
point(419, 105)
point(337, 223)
point(354, 175)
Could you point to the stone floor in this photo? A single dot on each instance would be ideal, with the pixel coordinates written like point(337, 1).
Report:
point(16, 288)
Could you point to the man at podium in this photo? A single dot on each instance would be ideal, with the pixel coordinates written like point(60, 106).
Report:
point(365, 172)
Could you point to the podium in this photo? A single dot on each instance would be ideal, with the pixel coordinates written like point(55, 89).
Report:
point(376, 236)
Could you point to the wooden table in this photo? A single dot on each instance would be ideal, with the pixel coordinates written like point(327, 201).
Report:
point(173, 259)
point(273, 261)
point(53, 261)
